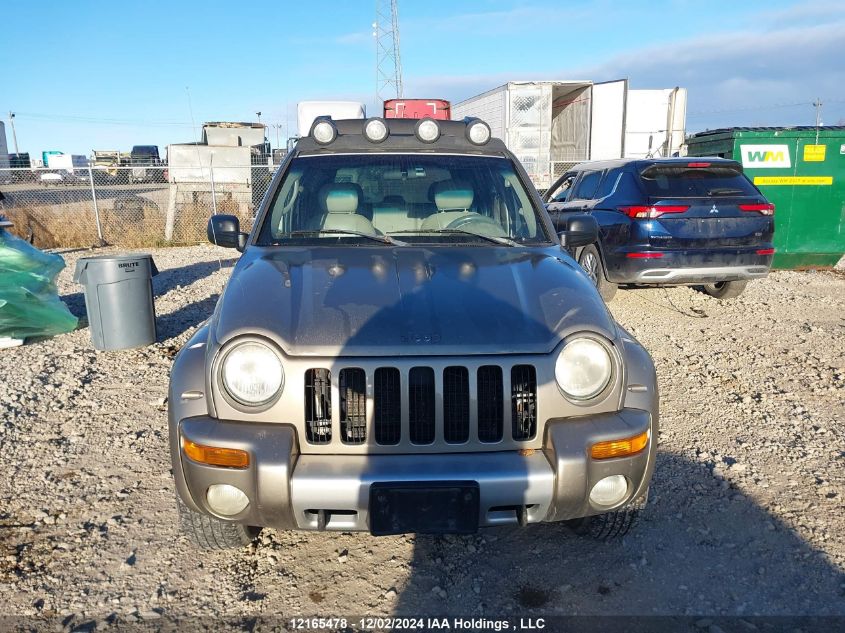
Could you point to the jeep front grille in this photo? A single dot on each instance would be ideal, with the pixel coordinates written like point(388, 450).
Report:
point(421, 400)
point(491, 413)
point(445, 405)
point(455, 405)
point(387, 403)
point(318, 406)
point(353, 405)
point(523, 402)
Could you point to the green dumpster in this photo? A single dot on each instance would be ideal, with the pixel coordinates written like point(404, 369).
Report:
point(802, 171)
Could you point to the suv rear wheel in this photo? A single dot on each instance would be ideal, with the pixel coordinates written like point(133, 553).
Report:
point(590, 261)
point(725, 289)
point(212, 533)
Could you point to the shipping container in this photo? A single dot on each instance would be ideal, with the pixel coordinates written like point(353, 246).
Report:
point(802, 171)
point(551, 125)
point(417, 109)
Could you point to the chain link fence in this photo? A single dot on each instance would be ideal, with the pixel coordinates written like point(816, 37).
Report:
point(128, 206)
point(136, 206)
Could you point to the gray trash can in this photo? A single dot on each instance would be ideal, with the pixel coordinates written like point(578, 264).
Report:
point(119, 299)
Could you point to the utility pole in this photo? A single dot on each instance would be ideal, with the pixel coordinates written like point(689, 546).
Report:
point(388, 60)
point(258, 114)
point(818, 104)
point(14, 135)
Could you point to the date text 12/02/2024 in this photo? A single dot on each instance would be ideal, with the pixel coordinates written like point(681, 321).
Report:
point(421, 623)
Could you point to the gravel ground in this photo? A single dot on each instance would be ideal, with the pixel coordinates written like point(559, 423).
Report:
point(746, 513)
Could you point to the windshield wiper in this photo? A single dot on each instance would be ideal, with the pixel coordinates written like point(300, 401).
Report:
point(725, 191)
point(490, 238)
point(385, 239)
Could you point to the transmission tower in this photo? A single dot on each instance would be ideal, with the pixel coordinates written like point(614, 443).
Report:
point(388, 62)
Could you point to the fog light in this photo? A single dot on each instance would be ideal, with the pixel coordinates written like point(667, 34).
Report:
point(226, 500)
point(323, 131)
point(375, 130)
point(478, 132)
point(609, 491)
point(427, 130)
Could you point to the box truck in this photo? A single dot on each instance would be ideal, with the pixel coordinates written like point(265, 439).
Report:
point(307, 111)
point(551, 125)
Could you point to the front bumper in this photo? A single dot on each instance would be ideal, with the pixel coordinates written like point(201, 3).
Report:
point(288, 490)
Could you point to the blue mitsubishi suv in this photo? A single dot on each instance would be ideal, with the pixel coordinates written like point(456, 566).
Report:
point(668, 221)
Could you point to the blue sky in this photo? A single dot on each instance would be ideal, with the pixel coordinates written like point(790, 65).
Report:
point(103, 75)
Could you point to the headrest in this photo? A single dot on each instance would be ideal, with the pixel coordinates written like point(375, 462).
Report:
point(339, 197)
point(452, 194)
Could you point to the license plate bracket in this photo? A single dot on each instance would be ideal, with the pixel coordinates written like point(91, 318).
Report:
point(426, 507)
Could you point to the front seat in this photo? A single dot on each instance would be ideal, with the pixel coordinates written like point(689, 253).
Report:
point(339, 204)
point(453, 199)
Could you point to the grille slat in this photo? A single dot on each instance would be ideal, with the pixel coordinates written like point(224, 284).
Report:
point(455, 405)
point(421, 403)
point(523, 402)
point(352, 385)
point(387, 405)
point(490, 403)
point(318, 406)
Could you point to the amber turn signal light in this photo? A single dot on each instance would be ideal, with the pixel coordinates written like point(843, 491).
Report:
point(619, 448)
point(215, 455)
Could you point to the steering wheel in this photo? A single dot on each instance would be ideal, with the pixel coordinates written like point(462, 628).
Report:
point(483, 220)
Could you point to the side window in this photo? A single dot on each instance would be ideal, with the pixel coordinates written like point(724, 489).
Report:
point(565, 188)
point(608, 183)
point(587, 186)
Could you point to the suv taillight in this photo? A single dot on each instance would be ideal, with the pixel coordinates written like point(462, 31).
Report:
point(763, 208)
point(652, 211)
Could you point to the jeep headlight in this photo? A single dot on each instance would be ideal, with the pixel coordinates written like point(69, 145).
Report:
point(583, 368)
point(252, 373)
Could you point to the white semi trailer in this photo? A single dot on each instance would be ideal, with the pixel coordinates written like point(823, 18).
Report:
point(550, 125)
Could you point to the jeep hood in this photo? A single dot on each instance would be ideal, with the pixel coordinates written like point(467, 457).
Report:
point(382, 301)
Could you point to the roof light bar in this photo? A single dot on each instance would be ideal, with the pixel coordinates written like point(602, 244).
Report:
point(477, 131)
point(323, 130)
point(427, 130)
point(376, 130)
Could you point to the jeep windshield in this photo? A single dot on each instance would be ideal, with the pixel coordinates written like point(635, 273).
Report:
point(401, 199)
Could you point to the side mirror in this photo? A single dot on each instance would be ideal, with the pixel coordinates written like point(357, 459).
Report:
point(225, 231)
point(579, 230)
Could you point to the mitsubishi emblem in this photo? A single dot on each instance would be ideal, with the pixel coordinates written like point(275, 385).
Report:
point(714, 209)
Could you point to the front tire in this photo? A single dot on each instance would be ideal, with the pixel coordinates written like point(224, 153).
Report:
point(210, 532)
point(609, 526)
point(590, 261)
point(725, 289)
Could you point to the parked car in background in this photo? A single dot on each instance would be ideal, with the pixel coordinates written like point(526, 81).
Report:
point(668, 221)
point(146, 164)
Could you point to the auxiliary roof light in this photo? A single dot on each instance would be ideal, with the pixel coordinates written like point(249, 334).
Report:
point(375, 129)
point(477, 131)
point(427, 130)
point(323, 131)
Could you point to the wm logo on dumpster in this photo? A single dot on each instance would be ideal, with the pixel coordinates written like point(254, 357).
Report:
point(765, 156)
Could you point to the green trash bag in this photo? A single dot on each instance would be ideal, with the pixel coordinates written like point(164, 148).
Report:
point(29, 300)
